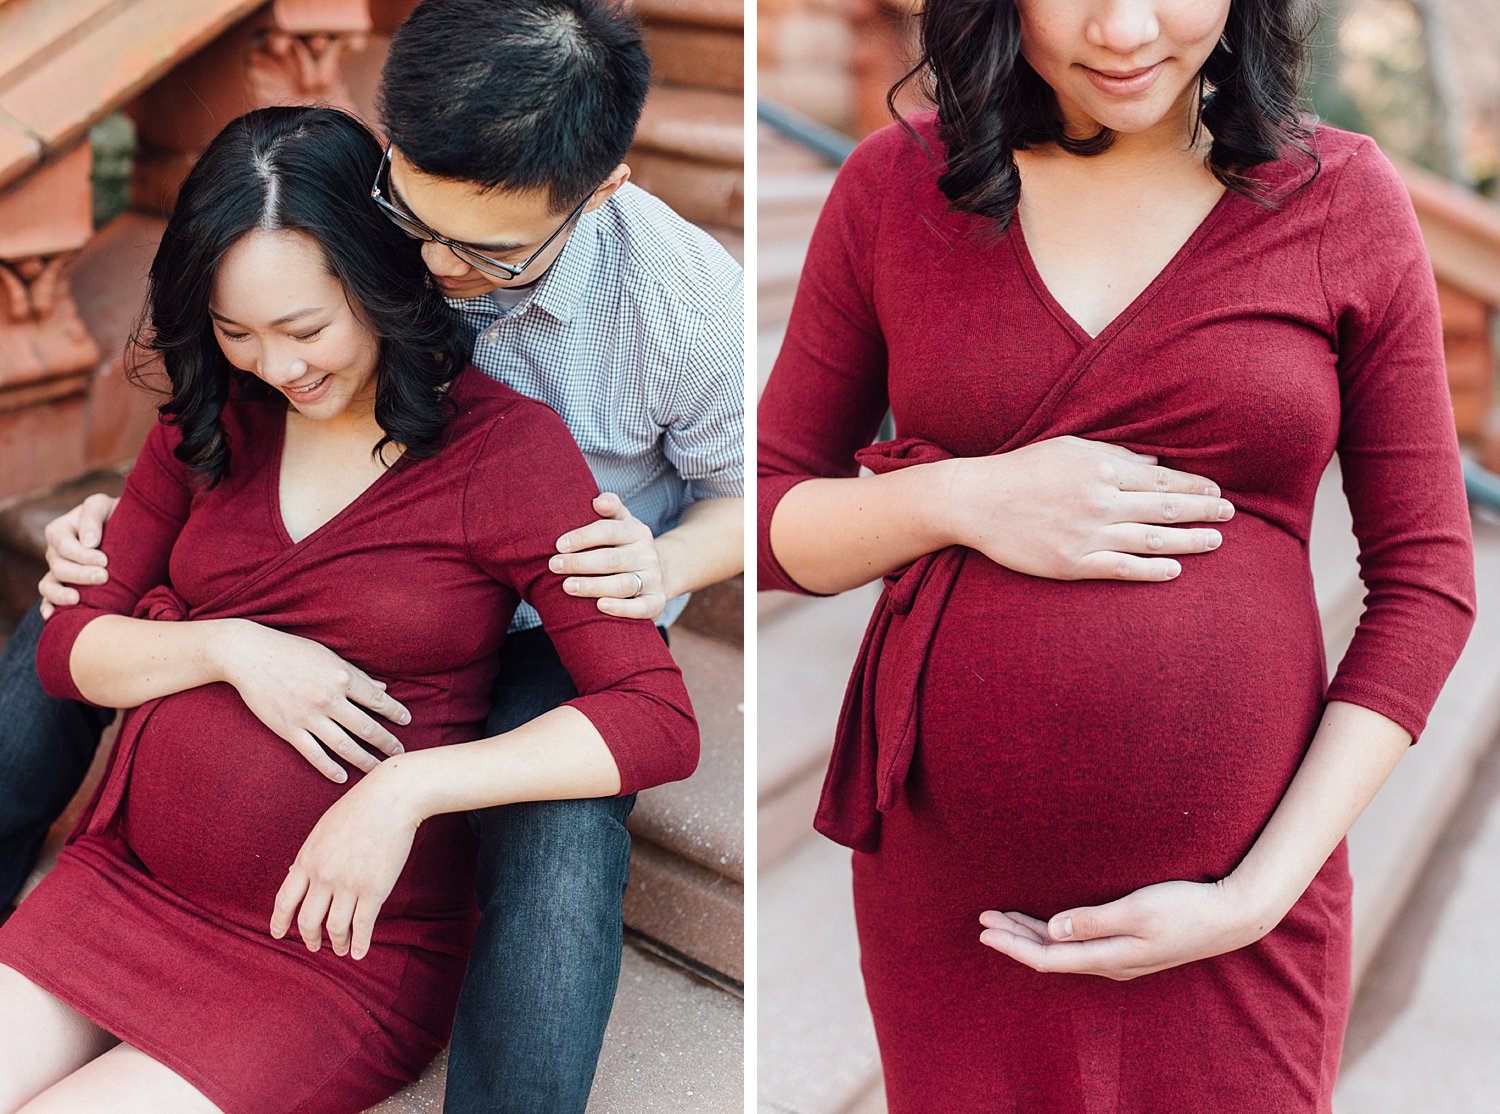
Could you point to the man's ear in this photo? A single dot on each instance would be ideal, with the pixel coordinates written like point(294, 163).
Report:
point(617, 178)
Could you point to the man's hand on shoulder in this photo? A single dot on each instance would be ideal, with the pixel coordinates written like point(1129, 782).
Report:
point(73, 553)
point(614, 561)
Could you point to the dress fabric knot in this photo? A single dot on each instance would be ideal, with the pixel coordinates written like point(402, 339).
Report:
point(160, 604)
point(877, 730)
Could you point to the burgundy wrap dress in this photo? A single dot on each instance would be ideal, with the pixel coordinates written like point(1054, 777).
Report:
point(1011, 742)
point(155, 921)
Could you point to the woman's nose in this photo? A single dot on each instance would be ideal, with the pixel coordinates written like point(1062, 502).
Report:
point(281, 372)
point(1123, 26)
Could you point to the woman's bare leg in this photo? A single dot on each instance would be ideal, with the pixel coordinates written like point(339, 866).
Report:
point(122, 1081)
point(41, 1040)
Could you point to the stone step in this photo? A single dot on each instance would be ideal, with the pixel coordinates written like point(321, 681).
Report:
point(718, 611)
point(675, 1045)
point(63, 67)
point(698, 124)
point(697, 56)
point(1390, 844)
point(767, 345)
point(705, 13)
point(815, 1042)
point(704, 193)
point(780, 268)
point(805, 655)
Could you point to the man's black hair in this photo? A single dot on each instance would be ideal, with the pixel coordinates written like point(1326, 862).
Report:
point(516, 94)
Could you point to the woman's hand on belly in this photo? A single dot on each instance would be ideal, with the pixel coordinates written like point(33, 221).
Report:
point(347, 867)
point(1154, 928)
point(310, 697)
point(1072, 509)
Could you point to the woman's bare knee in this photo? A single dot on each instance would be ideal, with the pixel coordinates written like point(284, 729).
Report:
point(122, 1081)
point(42, 1040)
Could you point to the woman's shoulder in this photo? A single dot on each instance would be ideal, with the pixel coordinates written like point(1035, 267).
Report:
point(1334, 161)
point(911, 142)
point(486, 408)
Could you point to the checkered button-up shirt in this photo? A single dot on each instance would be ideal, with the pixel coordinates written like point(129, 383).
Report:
point(635, 336)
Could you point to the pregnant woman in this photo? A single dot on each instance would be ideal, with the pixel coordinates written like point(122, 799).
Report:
point(1095, 778)
point(334, 515)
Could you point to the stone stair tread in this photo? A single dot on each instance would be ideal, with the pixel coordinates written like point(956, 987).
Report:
point(674, 1046)
point(708, 13)
point(81, 72)
point(1391, 842)
point(816, 1046)
point(692, 912)
point(702, 819)
point(805, 658)
point(705, 124)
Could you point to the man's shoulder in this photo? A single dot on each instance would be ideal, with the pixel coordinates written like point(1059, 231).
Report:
point(656, 251)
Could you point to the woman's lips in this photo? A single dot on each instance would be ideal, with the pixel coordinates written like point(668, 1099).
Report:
point(319, 389)
point(1124, 83)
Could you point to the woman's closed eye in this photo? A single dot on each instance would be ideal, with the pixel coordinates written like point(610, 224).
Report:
point(227, 335)
point(305, 337)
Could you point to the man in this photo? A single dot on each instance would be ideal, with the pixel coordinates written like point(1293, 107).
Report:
point(509, 121)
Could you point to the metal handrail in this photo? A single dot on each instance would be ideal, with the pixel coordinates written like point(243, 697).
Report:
point(804, 131)
point(1482, 485)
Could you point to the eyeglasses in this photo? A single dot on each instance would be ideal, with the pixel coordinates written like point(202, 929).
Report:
point(419, 231)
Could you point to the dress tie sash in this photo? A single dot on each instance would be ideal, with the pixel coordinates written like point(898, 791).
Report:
point(877, 730)
point(161, 604)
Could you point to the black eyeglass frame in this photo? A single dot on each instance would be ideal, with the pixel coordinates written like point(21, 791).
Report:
point(414, 228)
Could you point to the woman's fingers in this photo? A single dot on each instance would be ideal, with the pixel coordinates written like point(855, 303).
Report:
point(1170, 508)
point(340, 921)
point(357, 723)
point(310, 917)
point(1163, 480)
point(366, 911)
point(1153, 540)
point(1112, 957)
point(364, 690)
point(1106, 565)
point(287, 899)
point(306, 745)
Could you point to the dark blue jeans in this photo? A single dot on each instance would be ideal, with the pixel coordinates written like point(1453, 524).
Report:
point(546, 959)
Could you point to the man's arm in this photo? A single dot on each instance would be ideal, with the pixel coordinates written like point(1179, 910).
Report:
point(604, 559)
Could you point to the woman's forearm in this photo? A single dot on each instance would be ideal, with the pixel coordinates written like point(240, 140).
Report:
point(559, 755)
point(1352, 753)
point(119, 662)
point(831, 535)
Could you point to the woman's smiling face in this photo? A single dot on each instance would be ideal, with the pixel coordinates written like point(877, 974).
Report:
point(280, 314)
point(1125, 65)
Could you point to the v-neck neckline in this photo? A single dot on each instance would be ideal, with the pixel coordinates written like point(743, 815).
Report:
point(1136, 304)
point(274, 493)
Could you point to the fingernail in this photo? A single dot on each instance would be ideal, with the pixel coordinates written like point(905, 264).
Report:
point(398, 749)
point(405, 718)
point(1063, 928)
point(1212, 490)
point(556, 564)
point(342, 777)
point(1215, 540)
point(570, 585)
point(357, 954)
point(380, 685)
point(96, 576)
point(1225, 510)
point(562, 545)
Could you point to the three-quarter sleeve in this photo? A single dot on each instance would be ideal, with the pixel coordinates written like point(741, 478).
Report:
point(528, 486)
point(1397, 448)
point(827, 392)
point(138, 540)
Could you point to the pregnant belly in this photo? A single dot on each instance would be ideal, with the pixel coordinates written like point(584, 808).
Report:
point(217, 806)
point(1079, 740)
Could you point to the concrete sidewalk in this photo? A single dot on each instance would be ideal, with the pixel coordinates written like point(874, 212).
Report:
point(1425, 1029)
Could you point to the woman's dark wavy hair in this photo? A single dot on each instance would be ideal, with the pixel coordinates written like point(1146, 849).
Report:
point(991, 103)
point(306, 170)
